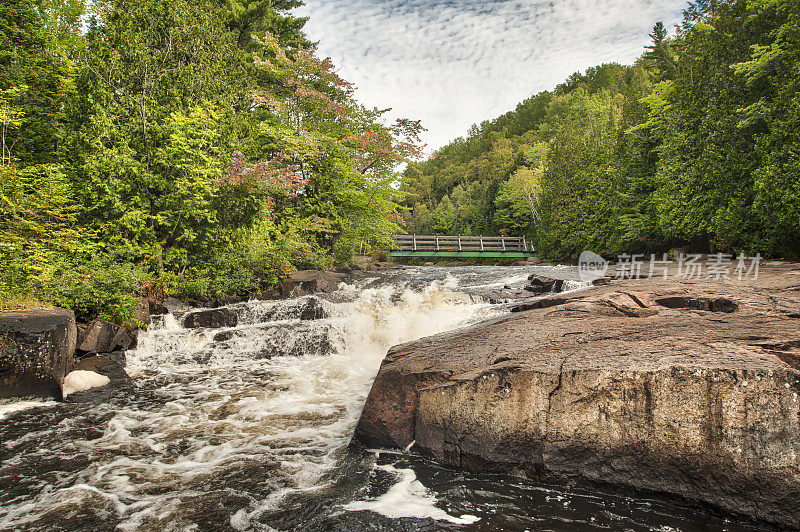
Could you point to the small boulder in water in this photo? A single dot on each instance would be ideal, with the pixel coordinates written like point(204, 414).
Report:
point(313, 310)
point(110, 366)
point(539, 284)
point(223, 336)
point(214, 318)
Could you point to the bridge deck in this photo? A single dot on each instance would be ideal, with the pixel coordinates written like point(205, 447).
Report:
point(460, 246)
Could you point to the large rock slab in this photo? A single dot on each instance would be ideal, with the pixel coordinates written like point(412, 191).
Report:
point(685, 388)
point(37, 350)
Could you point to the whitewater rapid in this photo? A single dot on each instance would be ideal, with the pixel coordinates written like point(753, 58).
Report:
point(276, 397)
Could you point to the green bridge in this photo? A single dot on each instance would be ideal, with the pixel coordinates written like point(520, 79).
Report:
point(461, 246)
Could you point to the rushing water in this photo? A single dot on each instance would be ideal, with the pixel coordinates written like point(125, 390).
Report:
point(248, 429)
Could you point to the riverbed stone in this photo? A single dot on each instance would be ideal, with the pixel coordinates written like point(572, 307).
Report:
point(682, 387)
point(155, 308)
point(214, 318)
point(37, 349)
point(313, 310)
point(305, 282)
point(539, 284)
point(99, 336)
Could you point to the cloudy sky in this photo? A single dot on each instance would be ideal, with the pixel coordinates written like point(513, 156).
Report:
point(453, 63)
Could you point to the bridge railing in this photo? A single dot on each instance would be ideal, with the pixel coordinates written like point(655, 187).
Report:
point(460, 243)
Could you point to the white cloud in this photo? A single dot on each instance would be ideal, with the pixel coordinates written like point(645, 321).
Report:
point(452, 63)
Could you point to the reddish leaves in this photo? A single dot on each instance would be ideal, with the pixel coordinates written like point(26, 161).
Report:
point(275, 175)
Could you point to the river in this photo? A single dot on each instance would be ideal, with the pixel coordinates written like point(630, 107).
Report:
point(249, 428)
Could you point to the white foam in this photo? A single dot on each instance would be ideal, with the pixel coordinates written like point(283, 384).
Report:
point(408, 498)
point(80, 380)
point(19, 406)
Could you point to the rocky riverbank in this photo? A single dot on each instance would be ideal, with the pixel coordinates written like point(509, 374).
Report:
point(682, 387)
point(40, 347)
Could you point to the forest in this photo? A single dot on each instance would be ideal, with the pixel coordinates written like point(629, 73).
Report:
point(180, 147)
point(696, 145)
point(200, 148)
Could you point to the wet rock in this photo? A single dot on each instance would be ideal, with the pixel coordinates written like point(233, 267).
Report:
point(313, 310)
point(223, 336)
point(157, 309)
point(536, 289)
point(305, 282)
point(639, 383)
point(37, 349)
point(213, 318)
point(538, 284)
point(505, 295)
point(538, 280)
point(111, 365)
point(293, 341)
point(306, 309)
point(175, 306)
point(267, 341)
point(100, 336)
point(269, 295)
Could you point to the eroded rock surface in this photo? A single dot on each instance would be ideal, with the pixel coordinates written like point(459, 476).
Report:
point(305, 282)
point(37, 349)
point(687, 388)
point(214, 318)
point(100, 336)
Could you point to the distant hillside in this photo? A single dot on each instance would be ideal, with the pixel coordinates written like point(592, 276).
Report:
point(695, 144)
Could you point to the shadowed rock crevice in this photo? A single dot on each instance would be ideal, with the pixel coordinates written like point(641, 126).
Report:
point(788, 352)
point(715, 304)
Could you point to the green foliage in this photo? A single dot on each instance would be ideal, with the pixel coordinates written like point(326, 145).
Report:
point(195, 148)
point(32, 77)
point(102, 286)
